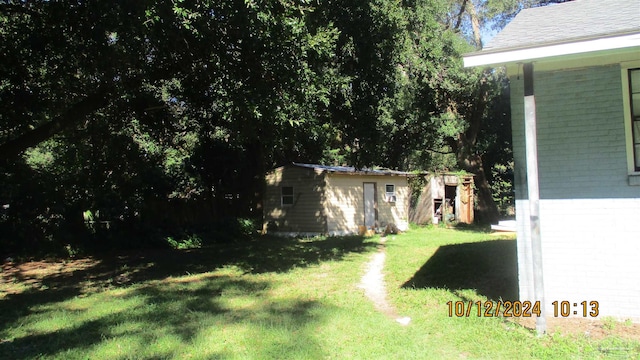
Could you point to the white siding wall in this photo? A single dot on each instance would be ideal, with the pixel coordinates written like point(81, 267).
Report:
point(344, 203)
point(305, 215)
point(590, 215)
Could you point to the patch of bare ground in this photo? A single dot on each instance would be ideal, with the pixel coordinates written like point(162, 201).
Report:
point(73, 277)
point(374, 288)
point(16, 278)
point(592, 328)
point(87, 275)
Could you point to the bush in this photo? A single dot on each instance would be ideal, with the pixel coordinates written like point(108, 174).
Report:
point(192, 241)
point(234, 229)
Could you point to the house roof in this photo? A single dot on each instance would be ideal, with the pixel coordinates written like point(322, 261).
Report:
point(573, 27)
point(349, 170)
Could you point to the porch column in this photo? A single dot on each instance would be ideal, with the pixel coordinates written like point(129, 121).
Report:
point(531, 148)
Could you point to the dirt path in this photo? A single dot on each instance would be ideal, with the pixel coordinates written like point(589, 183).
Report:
point(374, 288)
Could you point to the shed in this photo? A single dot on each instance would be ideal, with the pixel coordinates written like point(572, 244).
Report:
point(308, 199)
point(574, 70)
point(455, 190)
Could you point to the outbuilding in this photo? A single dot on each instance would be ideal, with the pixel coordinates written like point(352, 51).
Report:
point(445, 196)
point(308, 199)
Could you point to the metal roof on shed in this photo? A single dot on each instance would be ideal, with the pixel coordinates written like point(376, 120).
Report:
point(352, 170)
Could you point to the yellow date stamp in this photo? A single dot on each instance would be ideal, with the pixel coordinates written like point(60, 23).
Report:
point(521, 308)
point(494, 309)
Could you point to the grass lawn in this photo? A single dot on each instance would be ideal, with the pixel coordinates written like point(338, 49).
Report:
point(281, 299)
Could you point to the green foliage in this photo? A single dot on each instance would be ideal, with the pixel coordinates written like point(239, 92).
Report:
point(115, 107)
point(220, 231)
point(235, 229)
point(71, 251)
point(416, 185)
point(502, 188)
point(189, 242)
point(180, 77)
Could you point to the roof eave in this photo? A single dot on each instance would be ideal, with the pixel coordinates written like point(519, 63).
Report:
point(506, 56)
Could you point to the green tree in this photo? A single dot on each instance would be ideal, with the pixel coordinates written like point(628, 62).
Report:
point(107, 106)
point(406, 101)
point(474, 113)
point(111, 101)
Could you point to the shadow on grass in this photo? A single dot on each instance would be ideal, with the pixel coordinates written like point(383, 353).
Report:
point(169, 320)
point(46, 283)
point(489, 267)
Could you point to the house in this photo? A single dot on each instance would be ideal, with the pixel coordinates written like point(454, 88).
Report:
point(456, 190)
point(574, 71)
point(305, 199)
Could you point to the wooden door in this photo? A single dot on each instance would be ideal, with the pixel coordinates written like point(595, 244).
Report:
point(466, 203)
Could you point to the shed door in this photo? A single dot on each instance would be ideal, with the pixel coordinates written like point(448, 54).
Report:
point(369, 204)
point(466, 203)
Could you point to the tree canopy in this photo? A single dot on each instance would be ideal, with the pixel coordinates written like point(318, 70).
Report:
point(112, 108)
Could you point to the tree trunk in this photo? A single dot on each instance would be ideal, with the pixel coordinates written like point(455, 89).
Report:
point(470, 161)
point(73, 115)
point(255, 187)
point(467, 6)
point(475, 23)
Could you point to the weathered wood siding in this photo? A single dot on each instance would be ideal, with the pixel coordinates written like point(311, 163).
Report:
point(422, 210)
point(588, 210)
point(306, 215)
point(464, 201)
point(344, 202)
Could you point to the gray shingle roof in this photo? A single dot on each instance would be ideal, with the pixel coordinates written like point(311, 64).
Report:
point(568, 22)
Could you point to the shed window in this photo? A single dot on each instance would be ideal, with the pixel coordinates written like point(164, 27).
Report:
point(634, 93)
point(390, 192)
point(287, 195)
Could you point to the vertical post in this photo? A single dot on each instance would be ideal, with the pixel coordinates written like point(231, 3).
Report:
point(444, 202)
point(531, 144)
